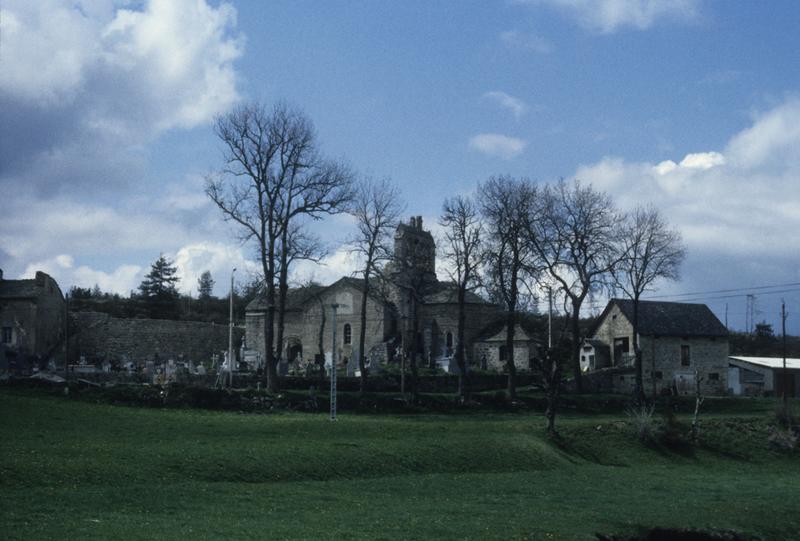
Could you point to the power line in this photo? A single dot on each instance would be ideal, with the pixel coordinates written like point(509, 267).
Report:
point(754, 288)
point(732, 296)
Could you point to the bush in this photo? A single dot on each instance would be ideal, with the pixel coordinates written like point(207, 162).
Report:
point(783, 439)
point(643, 423)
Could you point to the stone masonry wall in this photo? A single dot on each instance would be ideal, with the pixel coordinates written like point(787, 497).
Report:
point(708, 355)
point(99, 336)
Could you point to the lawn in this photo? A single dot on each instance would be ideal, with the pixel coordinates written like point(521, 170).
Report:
point(76, 470)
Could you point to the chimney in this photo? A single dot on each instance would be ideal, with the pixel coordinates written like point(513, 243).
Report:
point(1, 275)
point(413, 222)
point(40, 278)
point(419, 223)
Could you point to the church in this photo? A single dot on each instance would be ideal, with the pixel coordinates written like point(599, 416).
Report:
point(410, 294)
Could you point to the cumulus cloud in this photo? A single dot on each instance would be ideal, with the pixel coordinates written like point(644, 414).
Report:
point(517, 107)
point(88, 82)
point(218, 258)
point(497, 145)
point(738, 209)
point(62, 267)
point(608, 16)
point(526, 41)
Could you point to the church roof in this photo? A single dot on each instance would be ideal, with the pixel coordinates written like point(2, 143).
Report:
point(669, 318)
point(295, 298)
point(447, 293)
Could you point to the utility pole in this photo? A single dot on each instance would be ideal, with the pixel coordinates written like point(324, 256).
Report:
point(230, 335)
point(785, 374)
point(66, 340)
point(549, 317)
point(334, 306)
point(726, 316)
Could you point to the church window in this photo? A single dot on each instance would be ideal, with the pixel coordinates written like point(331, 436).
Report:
point(348, 334)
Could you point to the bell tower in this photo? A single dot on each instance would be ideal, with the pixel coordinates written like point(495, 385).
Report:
point(414, 253)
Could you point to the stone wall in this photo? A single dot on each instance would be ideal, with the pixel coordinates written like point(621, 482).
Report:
point(661, 359)
point(98, 336)
point(302, 327)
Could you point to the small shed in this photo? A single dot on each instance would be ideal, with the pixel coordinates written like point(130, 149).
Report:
point(763, 375)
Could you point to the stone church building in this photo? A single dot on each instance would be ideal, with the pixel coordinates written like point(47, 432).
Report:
point(412, 290)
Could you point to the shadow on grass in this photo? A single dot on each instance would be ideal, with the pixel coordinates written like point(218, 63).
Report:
point(679, 534)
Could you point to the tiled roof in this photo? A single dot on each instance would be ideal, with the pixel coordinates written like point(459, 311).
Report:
point(671, 318)
point(296, 297)
point(447, 293)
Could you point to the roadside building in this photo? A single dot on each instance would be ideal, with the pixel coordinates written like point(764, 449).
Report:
point(678, 342)
point(751, 376)
point(32, 313)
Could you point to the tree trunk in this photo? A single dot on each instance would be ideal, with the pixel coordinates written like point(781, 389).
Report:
point(321, 343)
point(268, 264)
point(461, 360)
point(414, 348)
point(576, 346)
point(362, 335)
point(639, 396)
point(512, 369)
point(283, 288)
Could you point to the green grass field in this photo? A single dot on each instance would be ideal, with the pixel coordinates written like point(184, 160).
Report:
point(75, 470)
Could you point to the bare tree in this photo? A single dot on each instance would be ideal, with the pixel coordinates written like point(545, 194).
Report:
point(652, 251)
point(376, 208)
point(273, 174)
point(298, 244)
point(463, 234)
point(576, 237)
point(507, 205)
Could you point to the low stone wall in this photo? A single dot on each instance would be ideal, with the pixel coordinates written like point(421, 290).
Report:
point(97, 337)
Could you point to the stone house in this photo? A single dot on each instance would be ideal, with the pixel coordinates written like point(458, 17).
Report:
point(676, 339)
point(491, 351)
point(32, 315)
point(411, 291)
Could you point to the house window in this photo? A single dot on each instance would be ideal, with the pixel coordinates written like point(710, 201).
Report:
point(591, 360)
point(587, 348)
point(620, 346)
point(713, 376)
point(348, 333)
point(685, 356)
point(6, 335)
point(449, 340)
point(503, 353)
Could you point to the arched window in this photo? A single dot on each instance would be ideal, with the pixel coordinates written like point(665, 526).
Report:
point(348, 334)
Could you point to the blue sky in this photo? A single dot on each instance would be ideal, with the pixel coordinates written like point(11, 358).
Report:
point(106, 111)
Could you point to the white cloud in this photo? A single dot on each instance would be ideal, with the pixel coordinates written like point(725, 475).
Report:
point(62, 267)
point(219, 259)
point(497, 145)
point(339, 263)
point(517, 107)
point(608, 16)
point(526, 41)
point(742, 201)
point(98, 73)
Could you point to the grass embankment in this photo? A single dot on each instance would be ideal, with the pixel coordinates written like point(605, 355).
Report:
point(75, 470)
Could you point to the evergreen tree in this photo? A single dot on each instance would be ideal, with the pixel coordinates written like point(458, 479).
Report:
point(205, 285)
point(160, 283)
